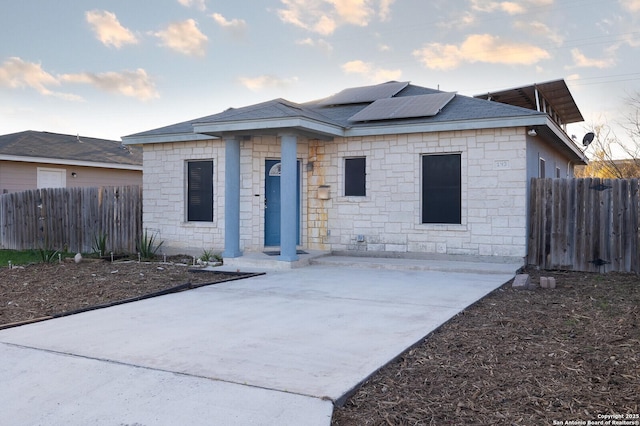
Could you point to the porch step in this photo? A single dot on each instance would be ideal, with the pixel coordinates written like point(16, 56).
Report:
point(471, 265)
point(260, 261)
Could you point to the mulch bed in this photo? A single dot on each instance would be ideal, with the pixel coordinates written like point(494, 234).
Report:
point(44, 290)
point(518, 357)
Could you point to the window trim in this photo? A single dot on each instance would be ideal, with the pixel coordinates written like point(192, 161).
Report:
point(364, 177)
point(423, 198)
point(187, 197)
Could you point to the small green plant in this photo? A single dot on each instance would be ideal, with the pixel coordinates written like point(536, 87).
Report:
point(47, 256)
point(100, 243)
point(148, 246)
point(210, 256)
point(207, 255)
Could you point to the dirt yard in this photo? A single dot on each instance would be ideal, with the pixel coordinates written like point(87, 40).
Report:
point(517, 357)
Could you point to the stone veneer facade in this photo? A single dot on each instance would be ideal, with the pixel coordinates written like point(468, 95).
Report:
point(387, 219)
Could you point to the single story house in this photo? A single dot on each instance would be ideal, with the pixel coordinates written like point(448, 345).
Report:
point(30, 160)
point(389, 168)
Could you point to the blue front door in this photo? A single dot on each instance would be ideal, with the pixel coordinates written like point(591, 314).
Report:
point(272, 203)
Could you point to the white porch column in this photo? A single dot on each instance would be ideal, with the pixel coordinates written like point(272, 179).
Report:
point(232, 198)
point(288, 198)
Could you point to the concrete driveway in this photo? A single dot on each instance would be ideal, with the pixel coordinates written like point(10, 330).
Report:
point(274, 349)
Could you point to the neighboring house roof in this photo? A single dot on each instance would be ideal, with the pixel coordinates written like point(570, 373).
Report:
point(392, 106)
point(54, 148)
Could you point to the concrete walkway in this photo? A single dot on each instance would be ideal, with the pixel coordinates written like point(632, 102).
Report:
point(274, 349)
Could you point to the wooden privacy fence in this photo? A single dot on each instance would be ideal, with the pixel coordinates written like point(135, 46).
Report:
point(71, 218)
point(584, 224)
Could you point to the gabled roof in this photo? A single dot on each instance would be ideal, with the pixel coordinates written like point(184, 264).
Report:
point(58, 148)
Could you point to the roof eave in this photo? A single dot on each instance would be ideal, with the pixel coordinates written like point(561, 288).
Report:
point(66, 162)
point(446, 126)
point(567, 141)
point(539, 120)
point(164, 138)
point(303, 125)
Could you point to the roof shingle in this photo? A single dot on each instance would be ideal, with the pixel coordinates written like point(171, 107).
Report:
point(57, 146)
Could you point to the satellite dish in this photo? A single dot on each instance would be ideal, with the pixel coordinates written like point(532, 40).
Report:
point(588, 138)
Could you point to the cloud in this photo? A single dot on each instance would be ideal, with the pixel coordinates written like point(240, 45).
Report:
point(631, 5)
point(108, 29)
point(16, 73)
point(537, 28)
point(320, 43)
point(385, 9)
point(184, 37)
point(198, 4)
point(581, 61)
point(512, 8)
point(355, 12)
point(370, 71)
point(489, 6)
point(573, 77)
point(266, 82)
point(324, 16)
point(135, 84)
point(466, 19)
point(237, 27)
point(479, 48)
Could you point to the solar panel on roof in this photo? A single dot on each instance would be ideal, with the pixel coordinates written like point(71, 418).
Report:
point(357, 95)
point(404, 107)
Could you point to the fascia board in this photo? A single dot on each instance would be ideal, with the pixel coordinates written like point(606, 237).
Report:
point(269, 124)
point(447, 126)
point(65, 162)
point(566, 140)
point(165, 138)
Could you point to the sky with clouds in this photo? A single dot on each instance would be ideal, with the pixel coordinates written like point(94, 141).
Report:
point(111, 68)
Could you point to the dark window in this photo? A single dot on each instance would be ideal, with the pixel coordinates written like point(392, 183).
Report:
point(441, 188)
point(557, 172)
point(355, 177)
point(543, 167)
point(200, 191)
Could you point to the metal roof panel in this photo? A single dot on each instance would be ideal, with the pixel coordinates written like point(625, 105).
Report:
point(555, 92)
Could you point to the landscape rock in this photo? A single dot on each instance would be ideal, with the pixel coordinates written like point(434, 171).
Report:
point(522, 282)
point(544, 282)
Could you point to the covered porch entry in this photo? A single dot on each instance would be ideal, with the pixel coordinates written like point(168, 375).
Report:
point(245, 124)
